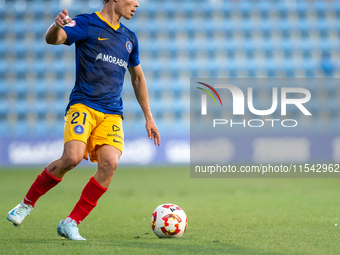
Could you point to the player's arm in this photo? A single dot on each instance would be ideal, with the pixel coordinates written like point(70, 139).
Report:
point(55, 34)
point(139, 85)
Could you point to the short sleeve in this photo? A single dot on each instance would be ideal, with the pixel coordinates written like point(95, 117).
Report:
point(134, 55)
point(77, 29)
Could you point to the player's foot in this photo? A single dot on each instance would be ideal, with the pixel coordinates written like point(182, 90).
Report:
point(69, 230)
point(18, 213)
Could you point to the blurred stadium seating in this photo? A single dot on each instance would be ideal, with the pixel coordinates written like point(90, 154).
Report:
point(178, 40)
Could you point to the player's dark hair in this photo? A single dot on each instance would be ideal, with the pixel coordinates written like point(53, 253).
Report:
point(106, 1)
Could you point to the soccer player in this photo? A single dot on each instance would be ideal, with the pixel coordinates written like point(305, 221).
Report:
point(105, 48)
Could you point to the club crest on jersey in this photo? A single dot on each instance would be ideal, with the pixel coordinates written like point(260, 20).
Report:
point(71, 24)
point(129, 47)
point(79, 129)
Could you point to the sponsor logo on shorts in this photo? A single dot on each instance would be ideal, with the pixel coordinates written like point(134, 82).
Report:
point(115, 135)
point(79, 129)
point(115, 128)
point(114, 140)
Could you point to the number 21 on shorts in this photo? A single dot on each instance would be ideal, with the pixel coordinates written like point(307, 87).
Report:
point(78, 128)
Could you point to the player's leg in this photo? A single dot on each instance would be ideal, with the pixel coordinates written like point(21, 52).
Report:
point(73, 154)
point(105, 146)
point(49, 178)
point(78, 126)
point(108, 158)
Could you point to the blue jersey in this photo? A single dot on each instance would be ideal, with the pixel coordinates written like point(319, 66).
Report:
point(103, 53)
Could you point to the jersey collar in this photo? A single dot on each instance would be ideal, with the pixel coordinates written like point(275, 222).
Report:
point(102, 18)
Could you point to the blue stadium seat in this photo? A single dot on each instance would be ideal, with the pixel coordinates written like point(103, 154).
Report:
point(281, 6)
point(301, 6)
point(336, 5)
point(40, 128)
point(4, 66)
point(2, 30)
point(21, 107)
point(40, 87)
point(321, 6)
point(3, 107)
point(40, 107)
point(4, 128)
point(57, 106)
point(20, 87)
point(264, 6)
point(8, 8)
point(20, 128)
point(38, 8)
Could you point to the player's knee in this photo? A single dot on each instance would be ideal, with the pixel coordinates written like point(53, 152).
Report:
point(108, 167)
point(111, 165)
point(70, 162)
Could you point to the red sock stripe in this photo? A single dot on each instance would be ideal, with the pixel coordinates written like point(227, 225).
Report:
point(88, 200)
point(94, 181)
point(51, 175)
point(43, 183)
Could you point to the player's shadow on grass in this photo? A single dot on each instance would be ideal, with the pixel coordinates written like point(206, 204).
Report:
point(184, 247)
point(159, 246)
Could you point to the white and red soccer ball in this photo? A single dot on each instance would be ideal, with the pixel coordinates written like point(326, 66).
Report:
point(169, 220)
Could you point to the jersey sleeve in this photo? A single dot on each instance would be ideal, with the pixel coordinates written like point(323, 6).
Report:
point(134, 55)
point(77, 29)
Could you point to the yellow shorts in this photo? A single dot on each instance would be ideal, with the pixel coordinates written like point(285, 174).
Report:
point(94, 128)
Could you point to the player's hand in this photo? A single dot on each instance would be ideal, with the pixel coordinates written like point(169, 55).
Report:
point(62, 18)
point(153, 132)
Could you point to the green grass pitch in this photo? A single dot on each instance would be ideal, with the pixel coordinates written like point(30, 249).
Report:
point(225, 216)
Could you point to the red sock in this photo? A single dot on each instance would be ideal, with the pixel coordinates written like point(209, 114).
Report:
point(88, 200)
point(44, 182)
